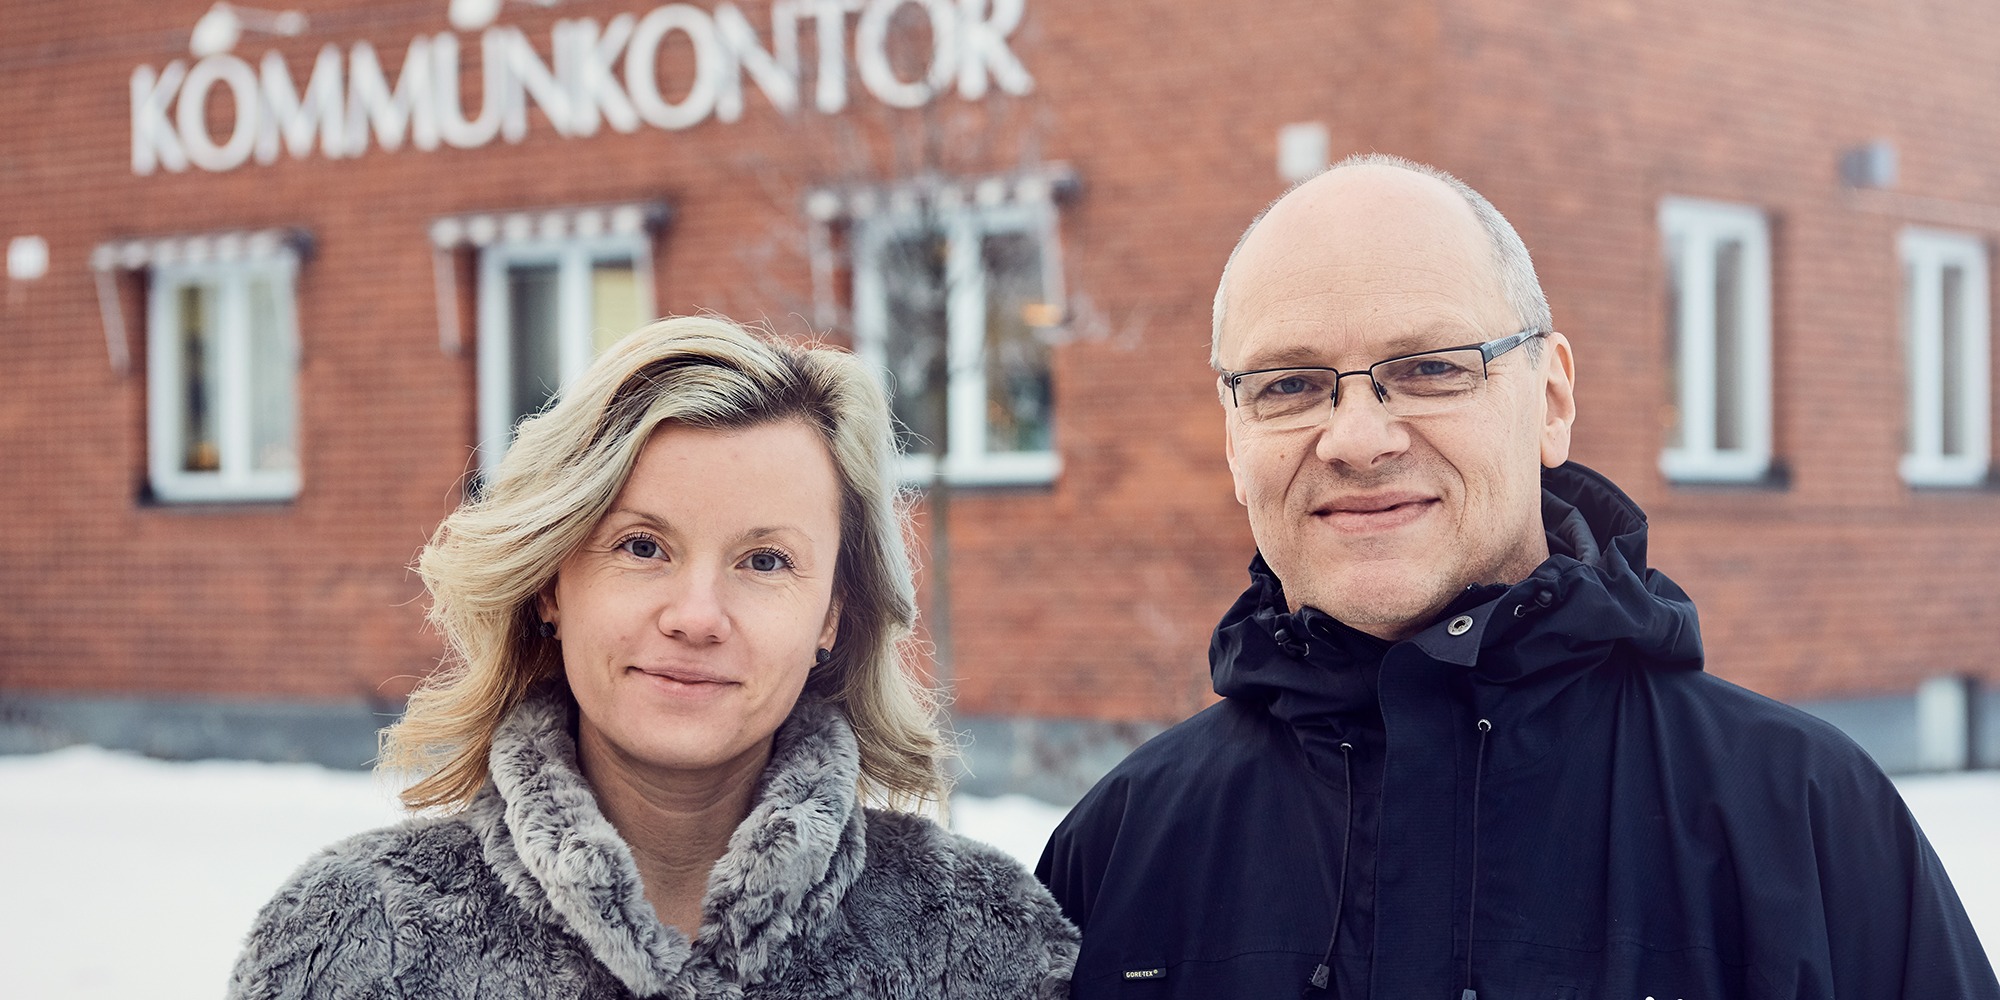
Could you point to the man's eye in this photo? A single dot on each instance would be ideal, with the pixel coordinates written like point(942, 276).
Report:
point(1434, 368)
point(1290, 385)
point(642, 547)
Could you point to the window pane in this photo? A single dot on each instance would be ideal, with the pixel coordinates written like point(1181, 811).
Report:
point(1952, 335)
point(614, 302)
point(1729, 345)
point(274, 367)
point(195, 316)
point(913, 280)
point(1676, 338)
point(532, 301)
point(1018, 321)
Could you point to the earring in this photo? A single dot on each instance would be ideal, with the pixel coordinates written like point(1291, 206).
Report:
point(820, 658)
point(546, 630)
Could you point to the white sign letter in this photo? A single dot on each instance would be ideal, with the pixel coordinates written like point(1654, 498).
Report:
point(452, 125)
point(584, 59)
point(871, 52)
point(776, 71)
point(983, 49)
point(642, 58)
point(298, 117)
point(407, 108)
point(192, 112)
point(532, 78)
point(830, 33)
point(153, 140)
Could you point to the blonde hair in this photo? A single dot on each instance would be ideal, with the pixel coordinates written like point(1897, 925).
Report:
point(490, 559)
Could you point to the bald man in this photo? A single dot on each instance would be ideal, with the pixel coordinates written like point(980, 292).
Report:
point(1466, 748)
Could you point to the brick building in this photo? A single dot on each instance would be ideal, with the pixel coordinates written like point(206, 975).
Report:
point(278, 286)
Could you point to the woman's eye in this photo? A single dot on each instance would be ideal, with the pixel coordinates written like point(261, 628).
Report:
point(643, 548)
point(767, 561)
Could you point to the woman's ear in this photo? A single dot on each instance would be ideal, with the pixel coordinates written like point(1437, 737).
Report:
point(546, 607)
point(831, 630)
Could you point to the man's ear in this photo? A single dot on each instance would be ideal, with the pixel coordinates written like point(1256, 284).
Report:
point(1229, 438)
point(1558, 400)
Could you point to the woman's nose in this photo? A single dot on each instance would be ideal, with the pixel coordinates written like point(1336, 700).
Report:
point(694, 609)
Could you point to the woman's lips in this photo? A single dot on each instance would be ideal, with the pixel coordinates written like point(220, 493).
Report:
point(1378, 513)
point(683, 681)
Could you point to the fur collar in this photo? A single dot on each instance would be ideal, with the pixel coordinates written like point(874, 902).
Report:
point(777, 889)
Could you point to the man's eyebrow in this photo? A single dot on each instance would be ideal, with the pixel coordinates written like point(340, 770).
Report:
point(1280, 357)
point(1431, 338)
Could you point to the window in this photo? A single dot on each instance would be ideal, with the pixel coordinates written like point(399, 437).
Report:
point(1945, 334)
point(958, 299)
point(1718, 259)
point(222, 362)
point(554, 290)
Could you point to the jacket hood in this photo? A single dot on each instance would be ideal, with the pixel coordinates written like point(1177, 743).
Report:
point(1593, 594)
point(787, 867)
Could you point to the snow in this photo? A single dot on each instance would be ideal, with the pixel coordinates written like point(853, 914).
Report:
point(122, 876)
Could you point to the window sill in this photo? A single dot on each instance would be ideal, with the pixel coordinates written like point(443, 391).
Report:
point(1724, 469)
point(205, 494)
point(1930, 472)
point(1013, 469)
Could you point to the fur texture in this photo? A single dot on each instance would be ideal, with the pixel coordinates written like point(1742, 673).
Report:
point(530, 893)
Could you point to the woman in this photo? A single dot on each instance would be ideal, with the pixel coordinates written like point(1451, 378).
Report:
point(674, 619)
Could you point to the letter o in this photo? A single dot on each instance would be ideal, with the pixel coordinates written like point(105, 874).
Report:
point(192, 113)
point(642, 55)
point(871, 52)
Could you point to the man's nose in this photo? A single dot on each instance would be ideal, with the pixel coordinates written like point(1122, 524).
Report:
point(693, 608)
point(1359, 431)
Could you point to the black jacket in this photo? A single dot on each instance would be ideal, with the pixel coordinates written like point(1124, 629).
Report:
point(1612, 822)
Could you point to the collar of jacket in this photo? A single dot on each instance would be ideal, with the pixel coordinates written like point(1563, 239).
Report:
point(776, 888)
point(1594, 592)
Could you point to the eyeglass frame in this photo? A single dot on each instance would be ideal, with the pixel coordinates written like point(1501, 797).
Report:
point(1487, 352)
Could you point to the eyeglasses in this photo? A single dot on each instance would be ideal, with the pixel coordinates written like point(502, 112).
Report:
point(1410, 385)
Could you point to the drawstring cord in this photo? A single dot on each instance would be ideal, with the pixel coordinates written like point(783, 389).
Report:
point(1323, 973)
point(1472, 895)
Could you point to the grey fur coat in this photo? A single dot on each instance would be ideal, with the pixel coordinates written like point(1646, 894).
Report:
point(529, 893)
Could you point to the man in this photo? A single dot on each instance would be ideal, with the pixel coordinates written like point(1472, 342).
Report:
point(1466, 748)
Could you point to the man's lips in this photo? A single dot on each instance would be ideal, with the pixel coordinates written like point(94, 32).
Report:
point(1375, 512)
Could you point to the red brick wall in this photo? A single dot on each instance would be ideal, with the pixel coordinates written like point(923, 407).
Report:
point(1577, 118)
point(1093, 596)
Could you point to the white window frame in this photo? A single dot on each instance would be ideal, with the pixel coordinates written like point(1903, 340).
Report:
point(236, 479)
point(968, 462)
point(1925, 253)
point(1700, 226)
point(573, 258)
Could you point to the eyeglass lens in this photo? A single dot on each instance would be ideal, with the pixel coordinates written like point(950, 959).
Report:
point(1413, 386)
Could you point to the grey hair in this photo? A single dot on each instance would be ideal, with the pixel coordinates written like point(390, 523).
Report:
point(492, 557)
point(1510, 256)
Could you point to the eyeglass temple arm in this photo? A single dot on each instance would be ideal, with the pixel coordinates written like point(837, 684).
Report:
point(1494, 348)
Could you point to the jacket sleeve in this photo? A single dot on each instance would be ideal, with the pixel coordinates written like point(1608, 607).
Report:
point(1008, 939)
point(1894, 925)
point(1073, 862)
point(324, 936)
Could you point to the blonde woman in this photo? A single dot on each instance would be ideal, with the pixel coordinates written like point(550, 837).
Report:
point(674, 619)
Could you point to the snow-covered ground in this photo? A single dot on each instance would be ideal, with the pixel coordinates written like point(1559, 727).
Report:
point(125, 877)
